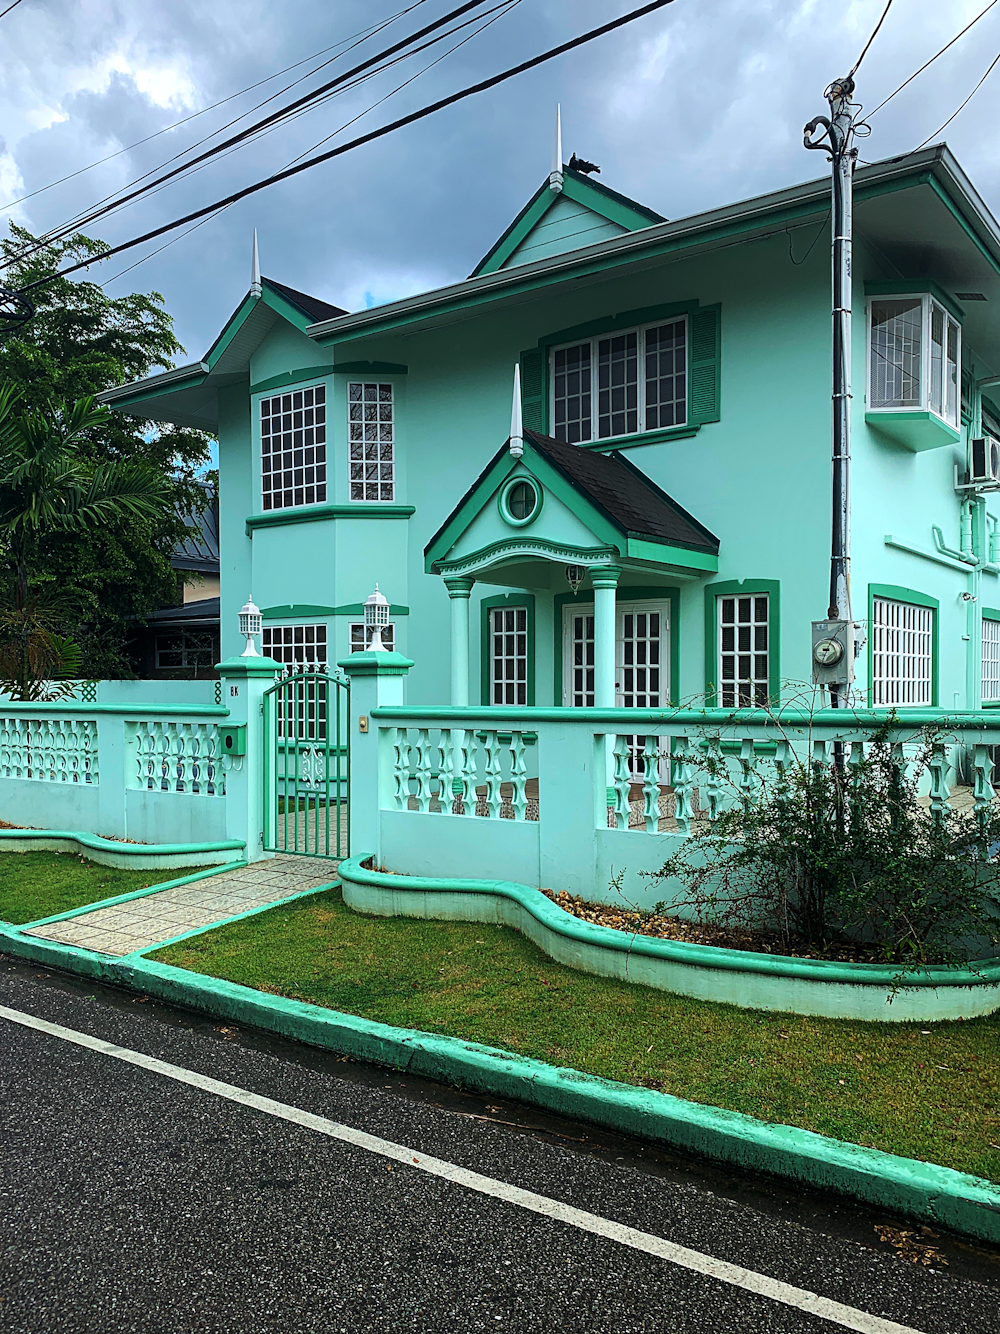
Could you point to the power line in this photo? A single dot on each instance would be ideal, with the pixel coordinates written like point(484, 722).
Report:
point(857, 63)
point(10, 7)
point(355, 38)
point(975, 90)
point(932, 59)
point(410, 119)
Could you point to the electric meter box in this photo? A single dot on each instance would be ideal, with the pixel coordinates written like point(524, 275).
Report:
point(833, 653)
point(233, 739)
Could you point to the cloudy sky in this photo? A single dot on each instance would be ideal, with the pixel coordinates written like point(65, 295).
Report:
point(699, 104)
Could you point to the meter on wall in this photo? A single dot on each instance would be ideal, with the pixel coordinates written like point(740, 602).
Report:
point(832, 653)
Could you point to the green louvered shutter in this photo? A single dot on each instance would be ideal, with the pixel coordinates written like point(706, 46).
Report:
point(706, 358)
point(533, 389)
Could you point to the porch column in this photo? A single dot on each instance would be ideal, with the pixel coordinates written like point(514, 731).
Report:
point(605, 582)
point(459, 590)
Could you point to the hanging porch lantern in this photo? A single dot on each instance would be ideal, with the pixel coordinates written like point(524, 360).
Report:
point(574, 577)
point(376, 620)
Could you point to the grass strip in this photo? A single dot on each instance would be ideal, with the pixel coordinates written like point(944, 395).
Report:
point(929, 1092)
point(34, 885)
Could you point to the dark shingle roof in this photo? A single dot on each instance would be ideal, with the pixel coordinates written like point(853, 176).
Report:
point(626, 496)
point(309, 305)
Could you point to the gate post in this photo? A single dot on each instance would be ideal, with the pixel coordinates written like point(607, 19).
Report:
point(376, 680)
point(244, 681)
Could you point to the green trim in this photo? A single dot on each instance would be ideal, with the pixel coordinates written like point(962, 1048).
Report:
point(990, 613)
point(900, 594)
point(500, 466)
point(109, 852)
point(626, 319)
point(15, 706)
point(230, 329)
point(294, 611)
point(318, 513)
point(373, 663)
point(743, 588)
point(528, 548)
point(503, 500)
point(667, 553)
point(486, 606)
point(237, 667)
point(963, 222)
point(292, 377)
point(625, 593)
point(641, 438)
point(369, 368)
point(918, 287)
point(191, 381)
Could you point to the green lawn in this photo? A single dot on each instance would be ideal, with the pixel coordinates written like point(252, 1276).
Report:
point(41, 884)
point(933, 1095)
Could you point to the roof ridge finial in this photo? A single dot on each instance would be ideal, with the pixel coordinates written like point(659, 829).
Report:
point(255, 287)
point(516, 428)
point(556, 174)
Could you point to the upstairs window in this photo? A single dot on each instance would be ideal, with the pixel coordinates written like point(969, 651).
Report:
point(621, 384)
point(991, 661)
point(371, 441)
point(915, 356)
point(293, 448)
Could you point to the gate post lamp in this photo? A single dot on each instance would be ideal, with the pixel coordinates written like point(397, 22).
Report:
point(251, 623)
point(376, 619)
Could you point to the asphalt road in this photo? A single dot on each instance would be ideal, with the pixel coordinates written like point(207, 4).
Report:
point(131, 1200)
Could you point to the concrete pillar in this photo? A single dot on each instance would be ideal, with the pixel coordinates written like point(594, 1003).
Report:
point(605, 582)
point(459, 590)
point(244, 681)
point(376, 680)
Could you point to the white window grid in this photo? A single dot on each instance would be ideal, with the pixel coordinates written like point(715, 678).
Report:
point(371, 441)
point(991, 660)
point(622, 383)
point(743, 650)
point(902, 652)
point(362, 635)
point(508, 655)
point(300, 648)
point(914, 356)
point(578, 673)
point(293, 448)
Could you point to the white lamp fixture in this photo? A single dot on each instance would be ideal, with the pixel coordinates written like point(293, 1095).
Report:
point(376, 619)
point(574, 577)
point(251, 623)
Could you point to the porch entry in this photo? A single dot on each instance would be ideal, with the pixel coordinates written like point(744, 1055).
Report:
point(306, 764)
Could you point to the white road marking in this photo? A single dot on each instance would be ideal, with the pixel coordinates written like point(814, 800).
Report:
point(847, 1317)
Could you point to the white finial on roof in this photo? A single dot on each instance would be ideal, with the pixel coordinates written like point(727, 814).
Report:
point(255, 287)
point(516, 436)
point(556, 174)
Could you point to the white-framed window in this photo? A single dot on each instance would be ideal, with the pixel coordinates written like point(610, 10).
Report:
point(187, 650)
point(293, 448)
point(578, 657)
point(902, 636)
point(300, 648)
point(361, 636)
point(371, 441)
point(743, 636)
point(621, 383)
point(914, 357)
point(508, 655)
point(991, 661)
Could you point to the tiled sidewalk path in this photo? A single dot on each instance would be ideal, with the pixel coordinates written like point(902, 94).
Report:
point(146, 921)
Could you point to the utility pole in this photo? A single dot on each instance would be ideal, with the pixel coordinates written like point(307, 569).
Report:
point(834, 639)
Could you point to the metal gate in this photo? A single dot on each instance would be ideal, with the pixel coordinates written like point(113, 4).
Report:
point(306, 764)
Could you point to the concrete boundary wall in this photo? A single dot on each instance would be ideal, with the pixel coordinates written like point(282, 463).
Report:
point(126, 856)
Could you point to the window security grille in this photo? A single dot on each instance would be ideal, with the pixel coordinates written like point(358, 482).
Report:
point(508, 655)
point(187, 650)
point(300, 648)
point(371, 441)
point(743, 651)
point(915, 357)
point(361, 636)
point(581, 647)
point(293, 448)
point(902, 652)
point(641, 378)
point(991, 661)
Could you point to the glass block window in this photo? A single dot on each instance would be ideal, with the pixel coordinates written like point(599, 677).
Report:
point(743, 638)
point(371, 441)
point(641, 379)
point(581, 660)
point(902, 637)
point(991, 661)
point(914, 357)
point(361, 636)
point(293, 448)
point(508, 655)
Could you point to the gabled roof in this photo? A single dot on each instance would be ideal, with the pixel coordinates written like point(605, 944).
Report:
point(591, 205)
point(309, 305)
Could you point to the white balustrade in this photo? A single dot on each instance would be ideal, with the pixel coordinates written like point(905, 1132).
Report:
point(464, 771)
point(54, 750)
point(177, 757)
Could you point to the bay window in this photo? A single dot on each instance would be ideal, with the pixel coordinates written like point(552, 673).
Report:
point(914, 357)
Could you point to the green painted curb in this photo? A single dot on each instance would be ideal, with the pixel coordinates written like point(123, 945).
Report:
point(109, 852)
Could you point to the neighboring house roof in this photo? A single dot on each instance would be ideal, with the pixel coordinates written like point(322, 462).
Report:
point(199, 550)
point(203, 615)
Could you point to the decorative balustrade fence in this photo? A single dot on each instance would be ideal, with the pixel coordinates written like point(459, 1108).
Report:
point(54, 750)
point(562, 798)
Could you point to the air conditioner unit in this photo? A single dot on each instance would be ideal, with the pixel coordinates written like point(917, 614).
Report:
point(985, 469)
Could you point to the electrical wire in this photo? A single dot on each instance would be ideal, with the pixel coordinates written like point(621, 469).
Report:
point(857, 63)
point(355, 38)
point(975, 90)
point(403, 121)
point(10, 7)
point(933, 58)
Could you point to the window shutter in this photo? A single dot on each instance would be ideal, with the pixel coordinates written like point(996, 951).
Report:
point(533, 389)
point(706, 357)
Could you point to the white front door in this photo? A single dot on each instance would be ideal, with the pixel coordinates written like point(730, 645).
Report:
point(642, 655)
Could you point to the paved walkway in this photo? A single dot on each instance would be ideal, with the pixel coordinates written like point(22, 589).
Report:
point(139, 923)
